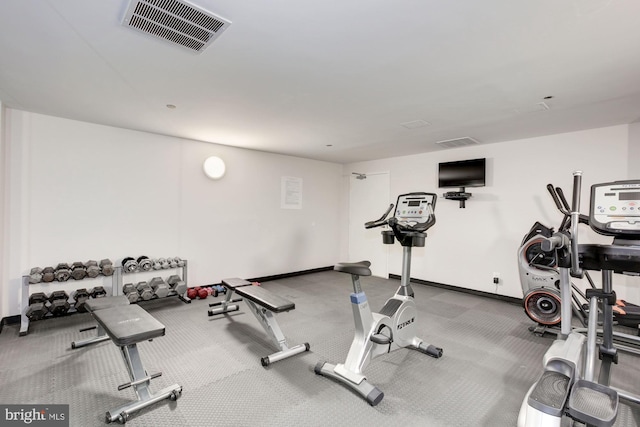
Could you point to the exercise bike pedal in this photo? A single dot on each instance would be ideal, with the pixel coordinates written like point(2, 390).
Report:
point(381, 339)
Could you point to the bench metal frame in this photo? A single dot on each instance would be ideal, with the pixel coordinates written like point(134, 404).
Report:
point(264, 312)
point(140, 381)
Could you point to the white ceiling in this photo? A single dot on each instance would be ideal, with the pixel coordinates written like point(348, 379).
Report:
point(294, 76)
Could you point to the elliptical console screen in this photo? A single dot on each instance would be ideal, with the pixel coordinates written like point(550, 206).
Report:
point(615, 208)
point(414, 208)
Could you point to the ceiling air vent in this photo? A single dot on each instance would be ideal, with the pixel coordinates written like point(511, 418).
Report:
point(178, 22)
point(458, 142)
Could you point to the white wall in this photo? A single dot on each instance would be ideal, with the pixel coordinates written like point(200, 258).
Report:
point(85, 191)
point(634, 151)
point(466, 246)
point(4, 277)
point(79, 191)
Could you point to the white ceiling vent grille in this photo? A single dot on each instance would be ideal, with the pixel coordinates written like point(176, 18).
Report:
point(178, 22)
point(458, 142)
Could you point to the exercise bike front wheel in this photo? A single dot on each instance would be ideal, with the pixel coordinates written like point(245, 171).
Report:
point(542, 305)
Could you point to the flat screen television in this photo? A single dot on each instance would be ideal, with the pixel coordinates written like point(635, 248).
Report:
point(463, 173)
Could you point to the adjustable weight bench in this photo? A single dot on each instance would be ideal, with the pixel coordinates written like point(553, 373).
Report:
point(264, 305)
point(95, 304)
point(128, 325)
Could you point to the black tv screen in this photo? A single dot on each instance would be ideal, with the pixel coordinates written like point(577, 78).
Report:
point(463, 173)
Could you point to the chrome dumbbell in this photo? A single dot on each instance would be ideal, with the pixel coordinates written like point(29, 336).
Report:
point(129, 265)
point(144, 263)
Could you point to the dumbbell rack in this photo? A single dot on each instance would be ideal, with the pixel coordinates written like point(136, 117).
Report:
point(24, 320)
point(119, 274)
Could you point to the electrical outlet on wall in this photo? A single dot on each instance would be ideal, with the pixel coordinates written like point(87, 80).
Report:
point(496, 278)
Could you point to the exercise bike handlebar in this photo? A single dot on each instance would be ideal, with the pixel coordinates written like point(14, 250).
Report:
point(380, 222)
point(412, 223)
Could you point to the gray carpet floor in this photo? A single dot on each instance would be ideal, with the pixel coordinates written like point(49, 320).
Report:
point(490, 360)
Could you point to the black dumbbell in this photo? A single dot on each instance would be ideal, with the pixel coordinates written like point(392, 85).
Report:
point(129, 265)
point(92, 268)
point(59, 303)
point(144, 263)
point(106, 267)
point(156, 264)
point(48, 274)
point(80, 296)
point(37, 308)
point(145, 291)
point(131, 292)
point(78, 271)
point(63, 272)
point(35, 275)
point(179, 261)
point(98, 292)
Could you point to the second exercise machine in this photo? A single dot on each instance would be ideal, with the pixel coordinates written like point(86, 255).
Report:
point(394, 326)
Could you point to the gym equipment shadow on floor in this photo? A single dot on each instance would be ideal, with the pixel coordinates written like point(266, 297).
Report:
point(490, 361)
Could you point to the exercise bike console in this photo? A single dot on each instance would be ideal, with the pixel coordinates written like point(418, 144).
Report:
point(413, 215)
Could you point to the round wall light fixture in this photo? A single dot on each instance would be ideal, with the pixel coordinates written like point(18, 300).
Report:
point(214, 167)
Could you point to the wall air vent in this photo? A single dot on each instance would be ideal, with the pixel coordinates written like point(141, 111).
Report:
point(458, 142)
point(175, 21)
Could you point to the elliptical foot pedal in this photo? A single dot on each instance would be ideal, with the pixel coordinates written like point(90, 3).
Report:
point(593, 404)
point(550, 393)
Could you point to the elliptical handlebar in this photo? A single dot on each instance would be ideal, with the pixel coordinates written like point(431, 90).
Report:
point(563, 206)
point(575, 220)
point(558, 240)
point(558, 198)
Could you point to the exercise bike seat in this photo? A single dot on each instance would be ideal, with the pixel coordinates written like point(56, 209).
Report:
point(358, 268)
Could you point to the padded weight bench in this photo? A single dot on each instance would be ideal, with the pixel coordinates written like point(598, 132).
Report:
point(264, 305)
point(128, 325)
point(95, 304)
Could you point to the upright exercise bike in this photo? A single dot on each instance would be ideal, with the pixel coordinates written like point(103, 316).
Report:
point(394, 326)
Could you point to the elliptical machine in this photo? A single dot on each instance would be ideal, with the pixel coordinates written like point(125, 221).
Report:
point(540, 277)
point(394, 326)
point(569, 387)
point(540, 281)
